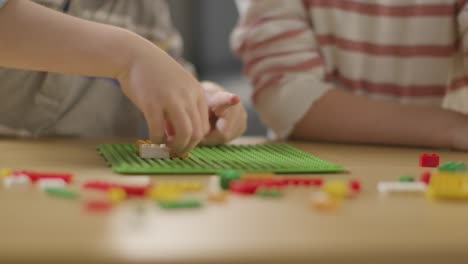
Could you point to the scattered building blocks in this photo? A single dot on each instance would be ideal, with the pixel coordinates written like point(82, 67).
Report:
point(62, 193)
point(336, 189)
point(116, 195)
point(179, 204)
point(98, 206)
point(406, 179)
point(453, 166)
point(227, 176)
point(322, 201)
point(425, 177)
point(401, 187)
point(50, 183)
point(448, 186)
point(429, 160)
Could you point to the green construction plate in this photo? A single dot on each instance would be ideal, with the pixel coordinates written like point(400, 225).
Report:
point(279, 158)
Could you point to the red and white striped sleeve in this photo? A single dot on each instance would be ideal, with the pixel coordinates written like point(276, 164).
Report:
point(462, 19)
point(276, 42)
point(456, 98)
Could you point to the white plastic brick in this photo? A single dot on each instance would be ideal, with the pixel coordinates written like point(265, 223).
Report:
point(401, 187)
point(50, 183)
point(214, 185)
point(153, 151)
point(11, 181)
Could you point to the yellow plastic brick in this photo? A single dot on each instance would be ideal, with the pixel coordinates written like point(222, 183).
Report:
point(5, 172)
point(322, 201)
point(164, 194)
point(183, 186)
point(218, 197)
point(193, 186)
point(117, 195)
point(336, 189)
point(448, 185)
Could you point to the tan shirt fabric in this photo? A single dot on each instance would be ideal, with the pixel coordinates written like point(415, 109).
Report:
point(36, 104)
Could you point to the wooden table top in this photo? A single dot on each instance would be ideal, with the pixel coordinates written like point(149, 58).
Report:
point(36, 228)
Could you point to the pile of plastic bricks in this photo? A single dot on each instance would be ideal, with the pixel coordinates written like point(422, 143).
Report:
point(175, 194)
point(448, 181)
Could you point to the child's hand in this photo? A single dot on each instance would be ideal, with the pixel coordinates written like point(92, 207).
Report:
point(167, 94)
point(227, 115)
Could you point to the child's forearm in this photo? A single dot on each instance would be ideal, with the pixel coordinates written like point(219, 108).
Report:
point(37, 38)
point(343, 117)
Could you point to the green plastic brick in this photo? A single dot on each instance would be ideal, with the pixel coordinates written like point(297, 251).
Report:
point(453, 166)
point(180, 204)
point(62, 192)
point(279, 158)
point(406, 179)
point(227, 176)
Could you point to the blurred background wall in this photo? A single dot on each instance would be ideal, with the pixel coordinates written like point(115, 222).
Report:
point(206, 26)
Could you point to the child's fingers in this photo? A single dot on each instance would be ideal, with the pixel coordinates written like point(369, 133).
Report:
point(223, 101)
point(204, 114)
point(228, 127)
point(214, 138)
point(197, 131)
point(183, 129)
point(155, 121)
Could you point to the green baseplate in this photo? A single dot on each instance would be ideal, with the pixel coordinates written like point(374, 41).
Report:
point(279, 158)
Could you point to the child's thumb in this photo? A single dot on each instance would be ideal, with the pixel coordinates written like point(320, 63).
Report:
point(222, 101)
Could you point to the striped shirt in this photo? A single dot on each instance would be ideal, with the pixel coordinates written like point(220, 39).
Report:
point(407, 51)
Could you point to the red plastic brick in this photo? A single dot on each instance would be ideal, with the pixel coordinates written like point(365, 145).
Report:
point(303, 181)
point(97, 185)
point(425, 177)
point(98, 206)
point(249, 186)
point(429, 160)
point(315, 181)
point(272, 183)
point(35, 176)
point(130, 190)
point(244, 186)
point(355, 185)
point(133, 190)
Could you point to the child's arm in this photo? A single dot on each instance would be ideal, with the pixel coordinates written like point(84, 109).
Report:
point(343, 117)
point(37, 38)
point(279, 48)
